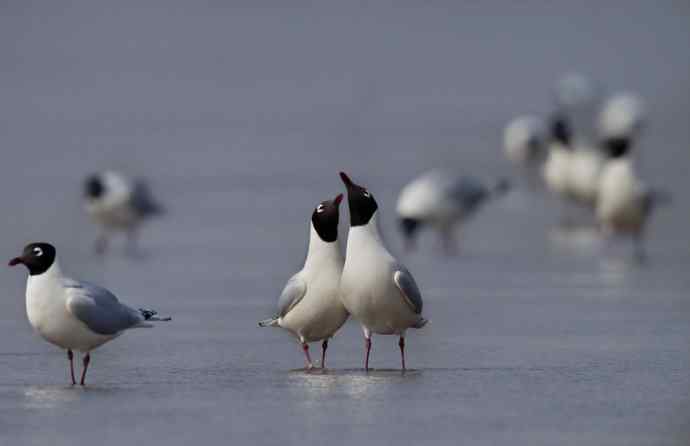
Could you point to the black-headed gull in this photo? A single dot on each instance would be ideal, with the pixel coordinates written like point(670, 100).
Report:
point(70, 314)
point(442, 200)
point(625, 202)
point(118, 203)
point(375, 288)
point(309, 306)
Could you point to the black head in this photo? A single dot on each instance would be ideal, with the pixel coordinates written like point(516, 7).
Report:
point(409, 228)
point(617, 147)
point(325, 219)
point(93, 187)
point(361, 202)
point(560, 129)
point(37, 257)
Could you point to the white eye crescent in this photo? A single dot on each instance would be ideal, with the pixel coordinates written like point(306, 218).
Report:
point(38, 251)
point(367, 194)
point(319, 209)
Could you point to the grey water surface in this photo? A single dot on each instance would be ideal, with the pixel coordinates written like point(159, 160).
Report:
point(241, 114)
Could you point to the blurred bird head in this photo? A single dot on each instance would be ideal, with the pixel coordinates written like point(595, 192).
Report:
point(409, 227)
point(93, 187)
point(616, 147)
point(560, 129)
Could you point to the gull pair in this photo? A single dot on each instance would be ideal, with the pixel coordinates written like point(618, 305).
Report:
point(370, 284)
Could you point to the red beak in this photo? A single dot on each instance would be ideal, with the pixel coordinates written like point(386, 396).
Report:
point(338, 199)
point(348, 182)
point(15, 261)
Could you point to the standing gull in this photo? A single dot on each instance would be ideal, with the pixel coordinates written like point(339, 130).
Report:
point(309, 306)
point(70, 314)
point(443, 201)
point(375, 288)
point(117, 203)
point(625, 202)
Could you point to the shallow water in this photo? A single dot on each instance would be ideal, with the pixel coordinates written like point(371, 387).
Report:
point(242, 117)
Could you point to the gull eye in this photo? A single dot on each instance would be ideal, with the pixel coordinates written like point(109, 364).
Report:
point(319, 209)
point(366, 193)
point(38, 251)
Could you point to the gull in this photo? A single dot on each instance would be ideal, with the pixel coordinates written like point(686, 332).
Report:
point(70, 314)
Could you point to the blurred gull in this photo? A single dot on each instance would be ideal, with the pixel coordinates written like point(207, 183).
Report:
point(556, 169)
point(118, 203)
point(525, 141)
point(70, 314)
point(375, 288)
point(442, 200)
point(625, 202)
point(309, 306)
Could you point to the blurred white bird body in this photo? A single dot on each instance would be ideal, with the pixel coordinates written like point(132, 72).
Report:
point(524, 140)
point(117, 203)
point(584, 169)
point(432, 197)
point(624, 200)
point(442, 199)
point(113, 209)
point(557, 168)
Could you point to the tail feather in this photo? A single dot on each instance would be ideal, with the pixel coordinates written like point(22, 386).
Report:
point(421, 323)
point(273, 322)
point(150, 315)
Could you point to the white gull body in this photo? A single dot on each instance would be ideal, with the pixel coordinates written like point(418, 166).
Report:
point(309, 305)
point(370, 285)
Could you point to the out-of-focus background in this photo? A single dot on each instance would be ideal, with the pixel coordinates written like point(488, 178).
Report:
point(241, 114)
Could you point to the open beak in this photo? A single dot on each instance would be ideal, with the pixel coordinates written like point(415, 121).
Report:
point(338, 199)
point(348, 182)
point(15, 261)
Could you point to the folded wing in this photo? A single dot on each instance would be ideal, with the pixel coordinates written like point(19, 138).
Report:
point(408, 289)
point(99, 309)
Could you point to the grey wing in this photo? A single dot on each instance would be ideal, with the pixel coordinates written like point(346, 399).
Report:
point(99, 309)
point(142, 199)
point(408, 289)
point(468, 192)
point(293, 292)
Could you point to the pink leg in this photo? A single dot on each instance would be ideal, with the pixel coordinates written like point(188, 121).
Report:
point(305, 347)
point(87, 359)
point(324, 346)
point(401, 343)
point(70, 356)
point(367, 345)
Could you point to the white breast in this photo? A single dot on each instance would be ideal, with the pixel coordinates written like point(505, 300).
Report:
point(320, 313)
point(585, 168)
point(621, 197)
point(556, 170)
point(524, 139)
point(367, 288)
point(48, 315)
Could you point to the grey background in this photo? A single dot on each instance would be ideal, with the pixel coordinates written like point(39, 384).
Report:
point(241, 114)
